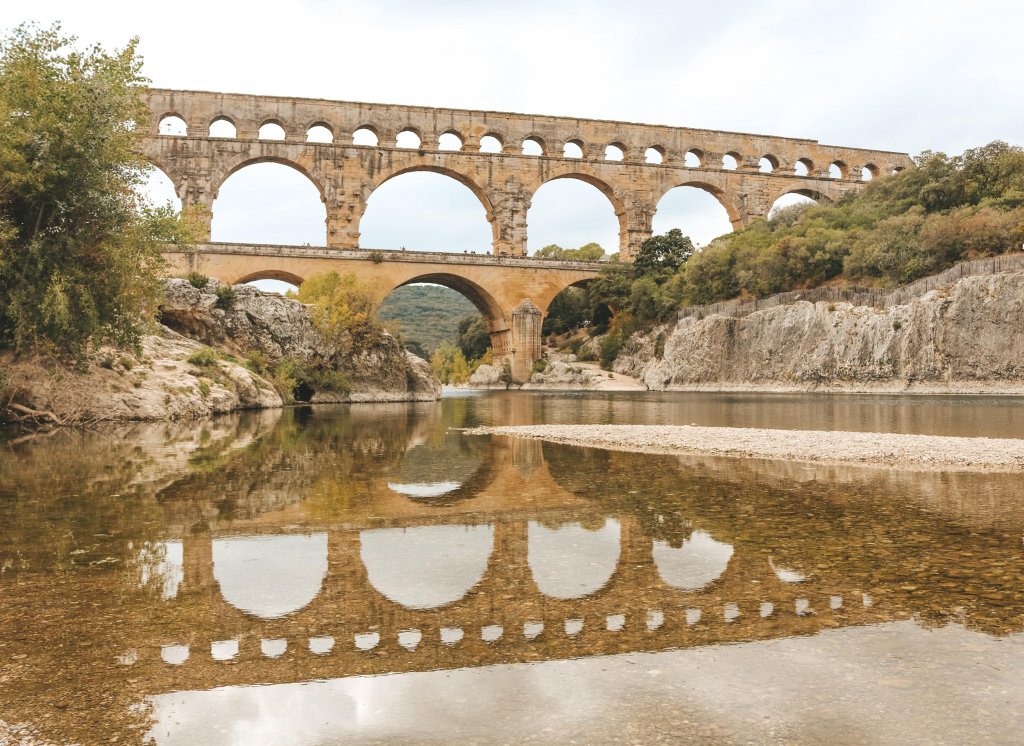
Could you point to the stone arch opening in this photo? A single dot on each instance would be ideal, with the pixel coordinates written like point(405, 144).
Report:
point(491, 143)
point(533, 145)
point(838, 170)
point(449, 141)
point(320, 132)
point(426, 567)
point(791, 197)
point(730, 161)
point(270, 275)
point(803, 167)
point(573, 560)
point(573, 149)
point(868, 172)
point(366, 135)
point(172, 125)
point(408, 138)
point(426, 208)
point(269, 201)
point(223, 127)
point(485, 303)
point(159, 189)
point(693, 158)
point(654, 154)
point(270, 576)
point(614, 152)
point(700, 210)
point(571, 210)
point(271, 129)
point(768, 164)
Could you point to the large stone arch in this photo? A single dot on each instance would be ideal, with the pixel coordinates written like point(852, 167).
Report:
point(809, 189)
point(177, 179)
point(581, 172)
point(721, 193)
point(486, 304)
point(233, 166)
point(271, 274)
point(465, 179)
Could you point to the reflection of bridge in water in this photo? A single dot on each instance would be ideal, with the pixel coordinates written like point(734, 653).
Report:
point(522, 570)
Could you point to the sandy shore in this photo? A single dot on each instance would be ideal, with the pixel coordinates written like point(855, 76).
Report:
point(914, 451)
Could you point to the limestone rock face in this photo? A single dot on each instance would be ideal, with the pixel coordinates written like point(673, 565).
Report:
point(560, 373)
point(487, 377)
point(278, 327)
point(158, 384)
point(271, 324)
point(967, 337)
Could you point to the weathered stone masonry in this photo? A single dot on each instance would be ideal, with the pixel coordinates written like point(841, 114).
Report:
point(504, 182)
point(512, 292)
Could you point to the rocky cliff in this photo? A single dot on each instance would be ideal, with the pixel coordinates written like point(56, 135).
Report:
point(968, 337)
point(276, 327)
point(200, 362)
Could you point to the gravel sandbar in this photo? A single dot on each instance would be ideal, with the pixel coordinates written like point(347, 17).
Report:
point(914, 451)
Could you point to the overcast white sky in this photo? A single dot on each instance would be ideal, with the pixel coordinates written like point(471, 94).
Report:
point(907, 76)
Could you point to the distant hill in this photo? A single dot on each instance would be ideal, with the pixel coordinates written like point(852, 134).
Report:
point(429, 314)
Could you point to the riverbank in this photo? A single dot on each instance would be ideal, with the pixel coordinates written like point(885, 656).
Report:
point(930, 452)
point(219, 349)
point(963, 338)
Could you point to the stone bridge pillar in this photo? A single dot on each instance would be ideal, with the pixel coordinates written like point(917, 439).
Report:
point(509, 206)
point(343, 213)
point(519, 345)
point(197, 208)
point(634, 228)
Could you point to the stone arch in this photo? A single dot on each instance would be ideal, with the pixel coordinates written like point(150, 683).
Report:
point(318, 123)
point(270, 274)
point(581, 172)
point(232, 167)
point(222, 118)
point(534, 137)
point(724, 198)
point(176, 179)
point(486, 304)
point(173, 114)
point(810, 191)
point(462, 178)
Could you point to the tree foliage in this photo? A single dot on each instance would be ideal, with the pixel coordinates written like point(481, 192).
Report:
point(591, 252)
point(79, 247)
point(343, 310)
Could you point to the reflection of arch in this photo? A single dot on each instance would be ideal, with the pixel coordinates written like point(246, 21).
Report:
point(271, 274)
point(270, 576)
point(448, 487)
point(463, 179)
point(484, 301)
point(426, 567)
point(699, 561)
point(570, 561)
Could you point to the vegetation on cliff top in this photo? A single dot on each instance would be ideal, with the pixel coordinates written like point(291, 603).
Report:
point(897, 229)
point(79, 247)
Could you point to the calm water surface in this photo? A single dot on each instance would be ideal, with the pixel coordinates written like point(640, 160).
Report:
point(369, 574)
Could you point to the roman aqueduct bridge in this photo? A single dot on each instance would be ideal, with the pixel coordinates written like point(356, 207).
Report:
point(503, 158)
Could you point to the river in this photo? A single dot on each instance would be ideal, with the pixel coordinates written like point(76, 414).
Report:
point(371, 574)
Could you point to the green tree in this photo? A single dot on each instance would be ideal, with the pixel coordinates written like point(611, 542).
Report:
point(473, 338)
point(663, 254)
point(80, 248)
point(343, 309)
point(591, 252)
